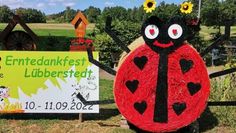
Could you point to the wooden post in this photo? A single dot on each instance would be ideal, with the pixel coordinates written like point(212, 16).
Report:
point(80, 23)
point(228, 28)
point(80, 117)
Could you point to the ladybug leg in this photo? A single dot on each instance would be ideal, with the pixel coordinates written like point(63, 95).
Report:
point(222, 73)
point(100, 65)
point(85, 102)
point(113, 35)
point(218, 74)
point(219, 41)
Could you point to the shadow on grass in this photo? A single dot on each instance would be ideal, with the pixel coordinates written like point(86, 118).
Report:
point(207, 120)
point(103, 115)
point(53, 43)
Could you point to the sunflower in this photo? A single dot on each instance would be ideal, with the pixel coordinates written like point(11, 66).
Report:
point(186, 7)
point(149, 5)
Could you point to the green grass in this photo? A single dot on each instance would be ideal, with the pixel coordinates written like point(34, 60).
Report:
point(106, 89)
point(206, 31)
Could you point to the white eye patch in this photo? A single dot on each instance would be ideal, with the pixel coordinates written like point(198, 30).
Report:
point(175, 31)
point(151, 31)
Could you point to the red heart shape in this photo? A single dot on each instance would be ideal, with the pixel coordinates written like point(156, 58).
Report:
point(152, 31)
point(175, 32)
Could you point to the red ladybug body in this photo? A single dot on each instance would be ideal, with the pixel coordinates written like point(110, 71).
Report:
point(188, 88)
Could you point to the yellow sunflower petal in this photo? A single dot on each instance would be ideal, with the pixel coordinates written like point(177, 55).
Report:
point(186, 7)
point(149, 8)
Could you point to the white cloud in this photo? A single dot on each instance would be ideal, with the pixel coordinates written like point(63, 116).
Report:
point(52, 4)
point(70, 4)
point(109, 3)
point(53, 1)
point(40, 5)
point(13, 3)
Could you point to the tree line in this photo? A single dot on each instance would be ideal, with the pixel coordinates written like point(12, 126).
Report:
point(214, 13)
point(29, 15)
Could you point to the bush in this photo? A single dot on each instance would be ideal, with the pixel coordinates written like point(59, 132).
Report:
point(127, 31)
point(223, 89)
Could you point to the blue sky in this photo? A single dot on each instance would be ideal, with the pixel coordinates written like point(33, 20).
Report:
point(55, 6)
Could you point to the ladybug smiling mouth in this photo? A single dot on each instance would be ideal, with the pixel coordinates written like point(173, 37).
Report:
point(162, 45)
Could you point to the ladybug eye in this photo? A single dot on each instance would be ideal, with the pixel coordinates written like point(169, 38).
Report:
point(175, 31)
point(151, 31)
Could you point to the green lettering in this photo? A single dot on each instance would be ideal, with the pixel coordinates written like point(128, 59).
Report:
point(59, 61)
point(32, 62)
point(77, 74)
point(46, 73)
point(77, 62)
point(9, 60)
point(71, 62)
point(84, 73)
point(90, 72)
point(83, 61)
point(26, 73)
point(54, 74)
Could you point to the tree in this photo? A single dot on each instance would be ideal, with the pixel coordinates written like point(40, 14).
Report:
point(69, 14)
point(211, 14)
point(127, 31)
point(30, 15)
point(92, 14)
point(117, 12)
point(228, 9)
point(5, 14)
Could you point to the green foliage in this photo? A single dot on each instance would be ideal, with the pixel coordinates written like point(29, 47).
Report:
point(30, 15)
point(69, 15)
point(211, 12)
point(166, 11)
point(5, 14)
point(223, 89)
point(216, 13)
point(198, 43)
point(118, 12)
point(92, 14)
point(127, 31)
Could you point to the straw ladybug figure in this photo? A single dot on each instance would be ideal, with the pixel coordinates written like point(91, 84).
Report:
point(162, 85)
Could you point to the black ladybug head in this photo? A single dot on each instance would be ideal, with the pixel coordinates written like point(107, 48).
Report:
point(164, 36)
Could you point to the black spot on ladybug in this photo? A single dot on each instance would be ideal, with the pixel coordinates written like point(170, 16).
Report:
point(132, 85)
point(194, 88)
point(185, 65)
point(140, 107)
point(179, 108)
point(140, 62)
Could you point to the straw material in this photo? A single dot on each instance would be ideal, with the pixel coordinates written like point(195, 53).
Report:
point(136, 82)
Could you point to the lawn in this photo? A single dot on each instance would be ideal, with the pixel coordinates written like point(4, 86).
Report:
point(205, 31)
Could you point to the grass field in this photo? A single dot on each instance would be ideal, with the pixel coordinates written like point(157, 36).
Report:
point(214, 120)
point(66, 30)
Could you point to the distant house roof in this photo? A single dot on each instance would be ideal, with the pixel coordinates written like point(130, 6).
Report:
point(78, 17)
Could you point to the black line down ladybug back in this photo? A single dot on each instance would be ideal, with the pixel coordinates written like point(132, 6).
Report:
point(163, 85)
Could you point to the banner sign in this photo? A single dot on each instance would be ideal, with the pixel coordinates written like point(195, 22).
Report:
point(47, 82)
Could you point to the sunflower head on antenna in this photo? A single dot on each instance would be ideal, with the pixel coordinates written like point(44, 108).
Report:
point(186, 7)
point(149, 5)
